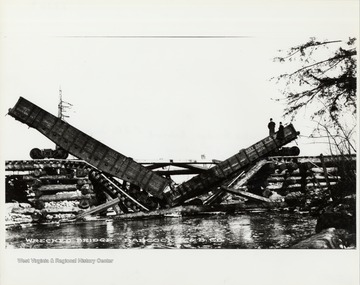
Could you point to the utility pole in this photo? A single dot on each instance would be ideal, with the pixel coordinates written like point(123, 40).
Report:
point(58, 153)
point(62, 106)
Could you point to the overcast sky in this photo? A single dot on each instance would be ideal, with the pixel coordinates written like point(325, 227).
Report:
point(158, 97)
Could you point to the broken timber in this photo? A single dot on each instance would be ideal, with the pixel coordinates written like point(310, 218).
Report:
point(99, 208)
point(237, 182)
point(246, 194)
point(249, 174)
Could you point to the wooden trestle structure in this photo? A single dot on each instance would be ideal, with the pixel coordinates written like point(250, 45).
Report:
point(104, 178)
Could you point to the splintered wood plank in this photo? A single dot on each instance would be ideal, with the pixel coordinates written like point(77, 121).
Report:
point(99, 208)
point(246, 194)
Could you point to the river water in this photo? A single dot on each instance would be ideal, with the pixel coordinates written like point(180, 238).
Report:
point(240, 231)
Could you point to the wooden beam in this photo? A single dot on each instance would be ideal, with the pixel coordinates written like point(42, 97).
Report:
point(275, 179)
point(279, 186)
point(190, 166)
point(74, 195)
point(328, 160)
point(99, 208)
point(218, 195)
point(178, 172)
point(55, 210)
point(156, 165)
point(246, 194)
point(116, 208)
point(250, 173)
point(57, 187)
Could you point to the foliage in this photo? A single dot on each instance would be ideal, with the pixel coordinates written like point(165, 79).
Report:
point(331, 80)
point(324, 81)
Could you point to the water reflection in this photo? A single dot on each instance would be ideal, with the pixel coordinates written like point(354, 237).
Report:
point(242, 229)
point(260, 230)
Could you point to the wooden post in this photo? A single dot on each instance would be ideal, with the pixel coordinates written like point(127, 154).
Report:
point(325, 171)
point(316, 180)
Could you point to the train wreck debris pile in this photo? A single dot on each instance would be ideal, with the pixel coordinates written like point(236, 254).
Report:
point(103, 181)
point(56, 189)
point(293, 178)
point(62, 189)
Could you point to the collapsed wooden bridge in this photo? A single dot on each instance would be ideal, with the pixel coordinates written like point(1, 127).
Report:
point(103, 178)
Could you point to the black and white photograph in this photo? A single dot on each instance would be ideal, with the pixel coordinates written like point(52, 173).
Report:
point(137, 133)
